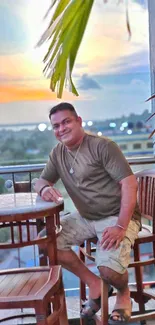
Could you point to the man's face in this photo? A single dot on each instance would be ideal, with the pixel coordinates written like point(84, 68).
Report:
point(66, 127)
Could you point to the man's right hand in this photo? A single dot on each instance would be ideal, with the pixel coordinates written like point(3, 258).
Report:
point(51, 194)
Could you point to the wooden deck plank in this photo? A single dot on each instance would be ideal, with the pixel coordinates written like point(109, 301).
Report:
point(30, 284)
point(2, 277)
point(3, 285)
point(42, 279)
point(11, 284)
point(23, 278)
point(73, 307)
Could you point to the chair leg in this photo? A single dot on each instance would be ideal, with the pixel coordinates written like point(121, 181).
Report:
point(41, 314)
point(139, 281)
point(82, 286)
point(82, 298)
point(56, 306)
point(63, 316)
point(104, 303)
point(102, 319)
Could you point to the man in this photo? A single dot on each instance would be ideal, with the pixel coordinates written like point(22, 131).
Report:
point(103, 188)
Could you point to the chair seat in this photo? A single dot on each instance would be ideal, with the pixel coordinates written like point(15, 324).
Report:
point(146, 231)
point(20, 286)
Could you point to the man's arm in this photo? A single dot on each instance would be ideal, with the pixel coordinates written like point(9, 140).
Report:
point(46, 190)
point(40, 183)
point(129, 188)
point(112, 236)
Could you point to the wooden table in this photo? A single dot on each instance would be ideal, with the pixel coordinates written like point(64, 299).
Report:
point(20, 209)
point(28, 206)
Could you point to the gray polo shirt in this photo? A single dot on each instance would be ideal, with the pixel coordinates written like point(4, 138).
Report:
point(98, 168)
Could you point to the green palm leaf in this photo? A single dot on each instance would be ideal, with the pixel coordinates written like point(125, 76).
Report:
point(66, 30)
point(65, 33)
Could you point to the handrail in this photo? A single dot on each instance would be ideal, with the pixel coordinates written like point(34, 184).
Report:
point(38, 167)
point(141, 160)
point(21, 168)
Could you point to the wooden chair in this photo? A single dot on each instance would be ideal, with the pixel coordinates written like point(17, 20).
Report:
point(141, 291)
point(26, 187)
point(38, 287)
point(22, 187)
point(19, 185)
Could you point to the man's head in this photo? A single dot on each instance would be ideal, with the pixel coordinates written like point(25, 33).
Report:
point(67, 125)
point(62, 107)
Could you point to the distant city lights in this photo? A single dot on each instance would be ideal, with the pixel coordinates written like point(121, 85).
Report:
point(89, 123)
point(129, 132)
point(112, 125)
point(83, 124)
point(42, 127)
point(99, 133)
point(125, 124)
point(121, 128)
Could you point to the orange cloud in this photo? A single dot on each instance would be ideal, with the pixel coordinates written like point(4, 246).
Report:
point(10, 93)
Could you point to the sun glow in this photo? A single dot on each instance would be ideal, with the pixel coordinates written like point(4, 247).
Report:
point(105, 43)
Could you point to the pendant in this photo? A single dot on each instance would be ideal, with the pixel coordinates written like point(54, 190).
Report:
point(71, 171)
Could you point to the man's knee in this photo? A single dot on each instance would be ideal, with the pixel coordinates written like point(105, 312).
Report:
point(112, 277)
point(106, 273)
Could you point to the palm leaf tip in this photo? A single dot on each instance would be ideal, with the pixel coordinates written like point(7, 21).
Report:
point(152, 133)
point(128, 23)
point(152, 97)
point(150, 117)
point(66, 31)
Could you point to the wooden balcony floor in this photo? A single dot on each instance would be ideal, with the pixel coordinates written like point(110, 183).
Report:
point(73, 308)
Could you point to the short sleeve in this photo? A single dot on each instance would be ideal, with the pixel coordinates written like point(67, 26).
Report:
point(115, 162)
point(50, 172)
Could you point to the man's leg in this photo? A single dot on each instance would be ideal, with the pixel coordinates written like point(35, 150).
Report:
point(123, 306)
point(113, 264)
point(119, 281)
point(70, 261)
point(75, 230)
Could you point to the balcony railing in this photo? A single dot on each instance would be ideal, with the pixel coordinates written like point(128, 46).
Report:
point(28, 173)
point(38, 167)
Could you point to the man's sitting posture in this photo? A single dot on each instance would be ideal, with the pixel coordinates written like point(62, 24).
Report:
point(103, 188)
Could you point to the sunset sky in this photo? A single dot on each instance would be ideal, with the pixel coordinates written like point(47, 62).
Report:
point(111, 72)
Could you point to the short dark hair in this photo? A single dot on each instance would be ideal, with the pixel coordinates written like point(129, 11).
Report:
point(63, 107)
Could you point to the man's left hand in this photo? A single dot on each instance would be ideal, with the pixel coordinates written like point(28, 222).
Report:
point(111, 237)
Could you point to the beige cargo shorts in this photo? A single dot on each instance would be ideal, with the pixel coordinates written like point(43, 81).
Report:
point(76, 229)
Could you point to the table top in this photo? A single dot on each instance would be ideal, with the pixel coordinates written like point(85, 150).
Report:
point(18, 203)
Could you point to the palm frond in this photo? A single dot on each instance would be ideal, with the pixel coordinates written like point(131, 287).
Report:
point(152, 133)
point(150, 117)
point(152, 97)
point(128, 21)
point(66, 30)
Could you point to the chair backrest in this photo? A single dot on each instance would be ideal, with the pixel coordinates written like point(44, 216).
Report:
point(22, 187)
point(26, 187)
point(146, 193)
point(24, 233)
point(20, 234)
